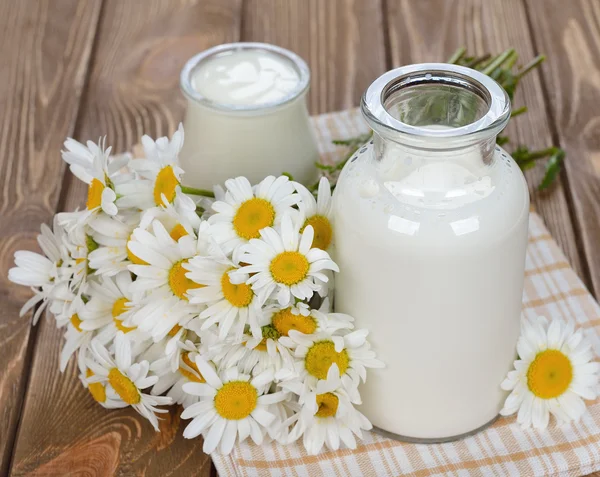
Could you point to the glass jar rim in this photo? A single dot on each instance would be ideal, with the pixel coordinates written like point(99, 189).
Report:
point(185, 79)
point(380, 119)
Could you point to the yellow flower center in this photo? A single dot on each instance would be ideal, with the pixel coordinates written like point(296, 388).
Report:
point(76, 322)
point(166, 183)
point(190, 370)
point(321, 356)
point(328, 405)
point(550, 374)
point(178, 232)
point(240, 295)
point(323, 231)
point(132, 257)
point(97, 390)
point(94, 197)
point(173, 331)
point(262, 346)
point(236, 400)
point(120, 307)
point(124, 386)
point(289, 268)
point(285, 320)
point(179, 283)
point(252, 216)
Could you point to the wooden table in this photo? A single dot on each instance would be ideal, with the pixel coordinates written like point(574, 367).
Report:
point(86, 68)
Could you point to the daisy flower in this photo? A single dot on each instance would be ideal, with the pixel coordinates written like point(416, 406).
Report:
point(306, 320)
point(163, 280)
point(316, 353)
point(43, 273)
point(177, 222)
point(64, 303)
point(98, 392)
point(231, 306)
point(110, 305)
point(76, 340)
point(284, 263)
point(124, 380)
point(232, 407)
point(328, 416)
point(255, 355)
point(553, 374)
point(316, 213)
point(245, 210)
point(173, 380)
point(160, 176)
point(92, 164)
point(80, 243)
point(112, 234)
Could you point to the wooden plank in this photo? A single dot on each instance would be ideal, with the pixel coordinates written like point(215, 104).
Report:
point(431, 30)
point(342, 41)
point(569, 32)
point(133, 89)
point(44, 49)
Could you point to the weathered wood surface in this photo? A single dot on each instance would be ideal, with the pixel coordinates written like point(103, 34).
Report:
point(90, 68)
point(44, 50)
point(133, 88)
point(569, 32)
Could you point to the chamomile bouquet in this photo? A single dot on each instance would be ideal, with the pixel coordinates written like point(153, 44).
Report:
point(215, 300)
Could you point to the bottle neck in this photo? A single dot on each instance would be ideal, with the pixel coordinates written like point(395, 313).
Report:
point(404, 156)
point(436, 111)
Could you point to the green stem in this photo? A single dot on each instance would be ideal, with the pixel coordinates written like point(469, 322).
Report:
point(529, 66)
point(477, 61)
point(501, 58)
point(518, 111)
point(194, 191)
point(511, 61)
point(457, 55)
point(542, 153)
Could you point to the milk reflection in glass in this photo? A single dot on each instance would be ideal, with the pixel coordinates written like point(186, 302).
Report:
point(246, 115)
point(430, 222)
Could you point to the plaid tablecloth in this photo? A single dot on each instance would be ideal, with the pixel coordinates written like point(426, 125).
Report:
point(552, 289)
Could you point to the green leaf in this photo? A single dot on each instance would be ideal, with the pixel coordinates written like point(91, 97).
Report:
point(553, 167)
point(324, 167)
point(525, 165)
point(502, 140)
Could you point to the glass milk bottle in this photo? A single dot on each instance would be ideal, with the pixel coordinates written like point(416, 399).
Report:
point(430, 222)
point(246, 115)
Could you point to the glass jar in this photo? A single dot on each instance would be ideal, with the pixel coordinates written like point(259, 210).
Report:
point(430, 223)
point(246, 115)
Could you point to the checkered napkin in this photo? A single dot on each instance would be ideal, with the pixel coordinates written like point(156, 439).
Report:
point(552, 289)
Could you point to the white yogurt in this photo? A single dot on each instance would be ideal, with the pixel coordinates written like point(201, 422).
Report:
point(246, 115)
point(246, 77)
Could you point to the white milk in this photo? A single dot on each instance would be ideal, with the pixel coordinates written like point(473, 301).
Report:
point(246, 115)
point(431, 247)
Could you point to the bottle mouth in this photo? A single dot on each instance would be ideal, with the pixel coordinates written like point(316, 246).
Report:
point(195, 63)
point(436, 105)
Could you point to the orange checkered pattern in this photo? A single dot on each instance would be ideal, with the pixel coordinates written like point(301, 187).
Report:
point(552, 289)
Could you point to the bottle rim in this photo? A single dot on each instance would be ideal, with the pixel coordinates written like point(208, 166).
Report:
point(382, 122)
point(185, 79)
